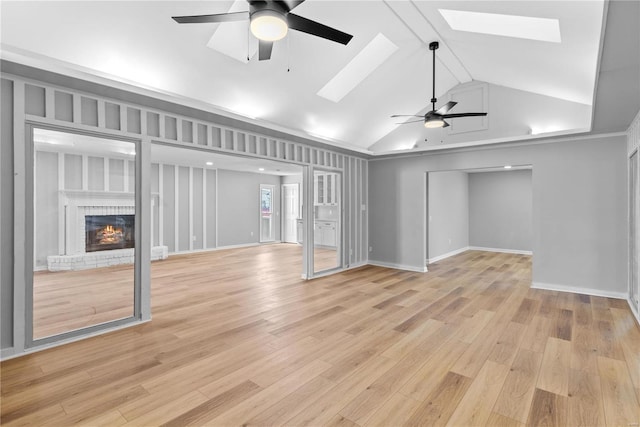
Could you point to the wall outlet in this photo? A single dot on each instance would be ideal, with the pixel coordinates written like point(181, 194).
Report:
point(194, 238)
point(252, 234)
point(449, 241)
point(370, 248)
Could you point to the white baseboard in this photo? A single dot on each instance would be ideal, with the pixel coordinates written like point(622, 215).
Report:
point(12, 352)
point(506, 251)
point(447, 255)
point(7, 353)
point(398, 266)
point(577, 290)
point(634, 311)
point(220, 248)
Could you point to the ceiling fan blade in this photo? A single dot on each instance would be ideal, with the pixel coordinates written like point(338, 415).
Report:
point(264, 50)
point(452, 116)
point(289, 5)
point(220, 17)
point(407, 115)
point(412, 121)
point(446, 107)
point(317, 29)
point(446, 125)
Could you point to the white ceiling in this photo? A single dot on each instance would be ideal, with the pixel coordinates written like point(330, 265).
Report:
point(137, 42)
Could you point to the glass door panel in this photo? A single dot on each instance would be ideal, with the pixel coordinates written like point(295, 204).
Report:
point(327, 221)
point(84, 231)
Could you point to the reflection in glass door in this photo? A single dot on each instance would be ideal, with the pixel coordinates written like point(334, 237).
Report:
point(84, 232)
point(267, 223)
point(327, 220)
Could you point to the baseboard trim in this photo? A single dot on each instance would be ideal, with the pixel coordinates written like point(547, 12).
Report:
point(398, 266)
point(447, 255)
point(220, 248)
point(578, 290)
point(506, 251)
point(7, 353)
point(19, 353)
point(634, 311)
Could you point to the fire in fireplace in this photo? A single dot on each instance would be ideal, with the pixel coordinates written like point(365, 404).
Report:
point(106, 232)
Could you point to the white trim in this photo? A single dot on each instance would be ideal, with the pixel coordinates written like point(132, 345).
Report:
point(506, 251)
point(190, 208)
point(398, 266)
point(176, 208)
point(12, 354)
point(448, 254)
point(160, 204)
point(578, 290)
point(204, 208)
point(636, 314)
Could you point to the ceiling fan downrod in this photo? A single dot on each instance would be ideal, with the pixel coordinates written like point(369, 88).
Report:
point(432, 47)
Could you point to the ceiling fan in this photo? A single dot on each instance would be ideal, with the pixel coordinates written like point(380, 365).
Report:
point(269, 22)
point(435, 118)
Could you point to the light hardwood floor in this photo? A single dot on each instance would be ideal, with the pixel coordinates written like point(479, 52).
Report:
point(238, 339)
point(70, 300)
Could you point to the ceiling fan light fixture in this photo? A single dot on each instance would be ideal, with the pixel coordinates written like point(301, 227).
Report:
point(268, 25)
point(433, 122)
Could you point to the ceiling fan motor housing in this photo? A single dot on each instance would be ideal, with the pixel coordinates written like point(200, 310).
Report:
point(268, 20)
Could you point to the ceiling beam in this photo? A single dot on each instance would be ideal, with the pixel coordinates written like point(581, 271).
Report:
point(415, 21)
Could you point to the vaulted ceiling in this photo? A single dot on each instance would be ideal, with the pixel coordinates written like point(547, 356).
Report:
point(527, 86)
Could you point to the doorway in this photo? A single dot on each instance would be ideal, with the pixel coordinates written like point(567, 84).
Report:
point(290, 212)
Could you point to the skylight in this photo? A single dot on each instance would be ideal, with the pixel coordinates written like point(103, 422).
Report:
point(524, 27)
point(363, 64)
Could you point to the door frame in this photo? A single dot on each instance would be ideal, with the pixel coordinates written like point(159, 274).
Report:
point(141, 280)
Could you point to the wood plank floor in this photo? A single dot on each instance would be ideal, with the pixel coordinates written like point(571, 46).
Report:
point(238, 339)
point(70, 300)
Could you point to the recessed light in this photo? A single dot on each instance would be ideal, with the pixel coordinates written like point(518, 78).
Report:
point(507, 167)
point(260, 169)
point(209, 163)
point(524, 27)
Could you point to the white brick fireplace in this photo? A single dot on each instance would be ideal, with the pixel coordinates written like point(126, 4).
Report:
point(74, 206)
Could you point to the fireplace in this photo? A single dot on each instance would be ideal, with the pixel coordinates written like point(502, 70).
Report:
point(107, 232)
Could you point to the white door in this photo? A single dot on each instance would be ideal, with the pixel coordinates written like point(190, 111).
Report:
point(290, 207)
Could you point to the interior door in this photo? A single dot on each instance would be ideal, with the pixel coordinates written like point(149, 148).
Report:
point(290, 195)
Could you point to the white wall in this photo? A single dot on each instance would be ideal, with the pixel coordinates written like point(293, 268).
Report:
point(579, 208)
point(500, 210)
point(448, 213)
